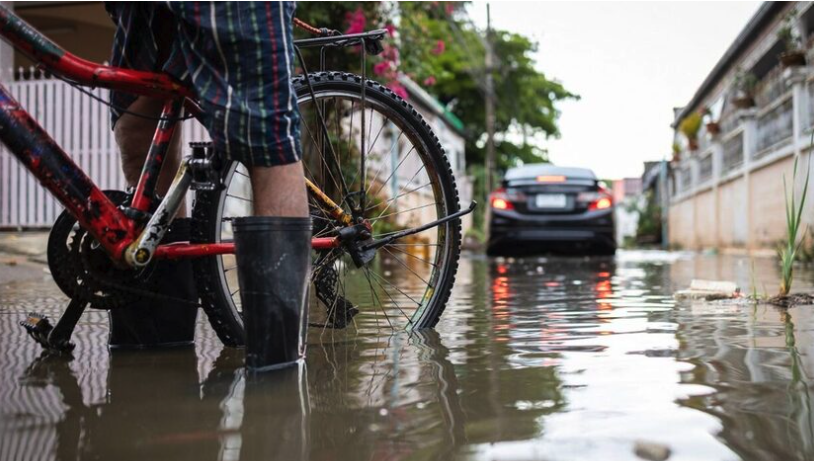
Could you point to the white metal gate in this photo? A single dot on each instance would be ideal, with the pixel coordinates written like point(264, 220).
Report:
point(81, 126)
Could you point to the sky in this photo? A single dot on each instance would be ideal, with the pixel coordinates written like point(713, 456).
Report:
point(631, 63)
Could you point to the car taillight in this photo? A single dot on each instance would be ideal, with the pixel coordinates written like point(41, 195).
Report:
point(504, 199)
point(500, 201)
point(596, 200)
point(601, 204)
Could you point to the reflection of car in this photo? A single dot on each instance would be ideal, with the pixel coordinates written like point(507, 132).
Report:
point(541, 207)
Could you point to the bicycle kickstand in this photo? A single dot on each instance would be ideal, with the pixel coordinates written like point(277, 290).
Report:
point(55, 338)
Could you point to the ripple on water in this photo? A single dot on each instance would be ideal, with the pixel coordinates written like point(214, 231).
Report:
point(536, 358)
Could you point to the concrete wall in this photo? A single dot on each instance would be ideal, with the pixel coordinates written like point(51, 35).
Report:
point(767, 204)
point(744, 213)
point(681, 222)
point(731, 211)
point(705, 217)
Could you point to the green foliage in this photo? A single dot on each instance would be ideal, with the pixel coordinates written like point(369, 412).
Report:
point(691, 125)
point(440, 49)
point(648, 228)
point(676, 148)
point(525, 98)
point(744, 82)
point(794, 215)
point(788, 35)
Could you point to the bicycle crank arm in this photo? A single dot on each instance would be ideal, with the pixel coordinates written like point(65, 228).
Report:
point(141, 251)
point(382, 242)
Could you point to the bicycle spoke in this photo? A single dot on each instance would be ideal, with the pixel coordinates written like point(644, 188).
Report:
point(390, 202)
point(406, 266)
point(416, 257)
point(402, 211)
point(396, 169)
point(322, 158)
point(373, 292)
point(383, 163)
point(397, 288)
point(409, 319)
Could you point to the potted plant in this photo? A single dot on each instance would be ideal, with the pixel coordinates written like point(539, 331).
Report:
point(689, 127)
point(793, 54)
point(676, 152)
point(743, 86)
point(713, 128)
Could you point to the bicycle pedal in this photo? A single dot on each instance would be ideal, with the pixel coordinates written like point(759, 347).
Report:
point(38, 327)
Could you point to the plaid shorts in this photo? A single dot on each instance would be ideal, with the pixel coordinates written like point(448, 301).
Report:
point(237, 56)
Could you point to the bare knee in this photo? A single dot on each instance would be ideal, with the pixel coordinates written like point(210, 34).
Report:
point(134, 134)
point(279, 191)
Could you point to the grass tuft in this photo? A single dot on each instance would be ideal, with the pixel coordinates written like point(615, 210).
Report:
point(794, 213)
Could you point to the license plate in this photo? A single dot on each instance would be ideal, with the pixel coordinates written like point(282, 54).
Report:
point(550, 201)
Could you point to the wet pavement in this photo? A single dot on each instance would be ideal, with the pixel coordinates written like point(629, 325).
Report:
point(534, 359)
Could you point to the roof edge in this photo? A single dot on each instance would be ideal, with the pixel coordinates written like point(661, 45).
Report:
point(764, 14)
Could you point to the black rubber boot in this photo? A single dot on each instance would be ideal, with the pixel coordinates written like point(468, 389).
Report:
point(273, 266)
point(159, 322)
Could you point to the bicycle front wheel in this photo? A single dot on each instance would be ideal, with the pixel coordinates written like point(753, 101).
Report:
point(381, 162)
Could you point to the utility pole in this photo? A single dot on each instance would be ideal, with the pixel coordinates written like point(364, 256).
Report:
point(490, 106)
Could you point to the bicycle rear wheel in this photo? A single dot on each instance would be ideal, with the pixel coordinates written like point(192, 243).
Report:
point(408, 181)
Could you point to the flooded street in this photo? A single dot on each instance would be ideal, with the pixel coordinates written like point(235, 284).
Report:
point(533, 359)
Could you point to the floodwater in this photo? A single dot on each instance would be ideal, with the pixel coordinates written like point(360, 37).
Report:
point(533, 359)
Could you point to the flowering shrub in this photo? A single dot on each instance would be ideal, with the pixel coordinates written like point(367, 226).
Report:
point(386, 66)
point(356, 22)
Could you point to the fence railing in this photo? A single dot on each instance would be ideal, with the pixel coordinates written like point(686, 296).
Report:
point(733, 152)
point(705, 169)
point(81, 126)
point(775, 124)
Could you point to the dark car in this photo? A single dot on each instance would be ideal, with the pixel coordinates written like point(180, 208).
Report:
point(546, 208)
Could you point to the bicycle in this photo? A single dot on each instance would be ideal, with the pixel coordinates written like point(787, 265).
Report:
point(103, 244)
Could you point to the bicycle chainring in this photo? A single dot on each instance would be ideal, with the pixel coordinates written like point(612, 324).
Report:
point(84, 271)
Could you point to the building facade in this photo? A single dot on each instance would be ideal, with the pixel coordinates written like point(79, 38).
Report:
point(727, 190)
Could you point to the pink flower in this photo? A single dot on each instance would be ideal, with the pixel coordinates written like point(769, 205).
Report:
point(429, 81)
point(449, 7)
point(440, 46)
point(390, 53)
point(356, 22)
point(398, 88)
point(381, 67)
point(391, 29)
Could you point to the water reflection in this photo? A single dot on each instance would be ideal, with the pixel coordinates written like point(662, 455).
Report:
point(534, 359)
point(168, 415)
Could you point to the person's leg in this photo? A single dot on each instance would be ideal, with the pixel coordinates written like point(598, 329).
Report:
point(155, 322)
point(134, 135)
point(279, 191)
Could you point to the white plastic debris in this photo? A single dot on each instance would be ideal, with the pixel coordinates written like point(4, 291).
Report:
point(651, 451)
point(709, 290)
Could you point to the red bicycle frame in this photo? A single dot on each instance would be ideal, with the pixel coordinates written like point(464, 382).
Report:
point(57, 172)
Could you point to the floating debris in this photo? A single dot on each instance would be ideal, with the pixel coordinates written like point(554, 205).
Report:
point(709, 290)
point(651, 451)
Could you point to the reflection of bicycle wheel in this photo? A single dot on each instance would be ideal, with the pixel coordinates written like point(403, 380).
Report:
point(408, 182)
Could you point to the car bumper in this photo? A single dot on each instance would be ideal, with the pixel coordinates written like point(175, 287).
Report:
point(589, 229)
